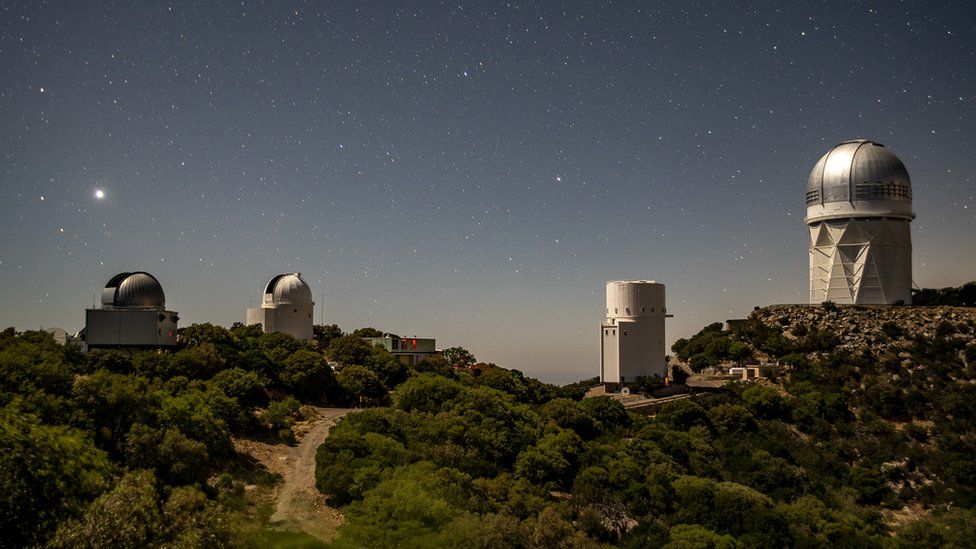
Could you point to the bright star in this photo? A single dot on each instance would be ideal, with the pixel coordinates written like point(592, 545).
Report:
point(99, 194)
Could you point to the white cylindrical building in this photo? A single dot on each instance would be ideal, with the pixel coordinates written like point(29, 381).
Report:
point(286, 307)
point(632, 334)
point(859, 207)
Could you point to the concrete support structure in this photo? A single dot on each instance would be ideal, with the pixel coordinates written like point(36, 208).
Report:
point(632, 334)
point(859, 207)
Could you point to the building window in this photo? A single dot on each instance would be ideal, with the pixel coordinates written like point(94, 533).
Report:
point(643, 309)
point(606, 332)
point(615, 332)
point(628, 311)
point(625, 332)
point(615, 310)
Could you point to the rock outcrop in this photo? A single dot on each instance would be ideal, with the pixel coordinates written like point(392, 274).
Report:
point(872, 326)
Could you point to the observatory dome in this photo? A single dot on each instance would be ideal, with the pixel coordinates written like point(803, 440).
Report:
point(859, 178)
point(288, 288)
point(138, 289)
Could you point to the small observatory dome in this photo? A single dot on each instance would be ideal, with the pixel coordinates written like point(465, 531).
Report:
point(288, 289)
point(133, 290)
point(859, 178)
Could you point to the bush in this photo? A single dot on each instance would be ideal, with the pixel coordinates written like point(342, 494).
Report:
point(281, 413)
point(46, 474)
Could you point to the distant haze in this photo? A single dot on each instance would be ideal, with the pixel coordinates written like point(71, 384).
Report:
point(471, 172)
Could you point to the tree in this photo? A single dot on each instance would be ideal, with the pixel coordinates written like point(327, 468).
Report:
point(683, 414)
point(245, 386)
point(324, 334)
point(435, 363)
point(176, 458)
point(154, 364)
point(502, 380)
point(199, 334)
point(765, 402)
point(191, 414)
point(552, 461)
point(459, 357)
point(369, 331)
point(113, 402)
point(693, 536)
point(952, 528)
point(731, 418)
point(132, 514)
point(407, 509)
point(200, 361)
point(306, 373)
point(348, 350)
point(387, 367)
point(427, 393)
point(360, 383)
point(348, 464)
point(126, 516)
point(281, 413)
point(610, 413)
point(46, 474)
point(111, 360)
point(568, 414)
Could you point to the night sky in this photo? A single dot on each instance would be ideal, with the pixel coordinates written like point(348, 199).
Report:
point(473, 172)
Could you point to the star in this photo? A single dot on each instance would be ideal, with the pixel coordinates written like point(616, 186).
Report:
point(99, 194)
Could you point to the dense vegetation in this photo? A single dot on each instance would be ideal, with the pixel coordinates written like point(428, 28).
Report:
point(119, 449)
point(845, 452)
point(111, 449)
point(962, 296)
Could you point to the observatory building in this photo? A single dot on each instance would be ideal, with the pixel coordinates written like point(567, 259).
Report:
point(287, 307)
point(133, 315)
point(409, 350)
point(632, 335)
point(859, 207)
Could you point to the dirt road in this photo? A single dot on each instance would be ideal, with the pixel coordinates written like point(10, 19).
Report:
point(300, 505)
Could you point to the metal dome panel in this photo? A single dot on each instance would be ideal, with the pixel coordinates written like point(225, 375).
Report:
point(858, 170)
point(858, 178)
point(288, 288)
point(138, 289)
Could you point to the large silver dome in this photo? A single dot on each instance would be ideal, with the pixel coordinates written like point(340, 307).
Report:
point(288, 288)
point(860, 178)
point(861, 169)
point(138, 289)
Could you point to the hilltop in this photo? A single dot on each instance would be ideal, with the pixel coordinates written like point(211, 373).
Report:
point(871, 327)
point(868, 438)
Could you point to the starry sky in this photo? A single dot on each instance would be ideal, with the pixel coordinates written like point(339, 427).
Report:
point(470, 171)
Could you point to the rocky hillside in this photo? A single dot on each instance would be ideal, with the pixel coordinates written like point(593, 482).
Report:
point(870, 326)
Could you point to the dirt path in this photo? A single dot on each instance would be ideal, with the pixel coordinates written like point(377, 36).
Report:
point(300, 505)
